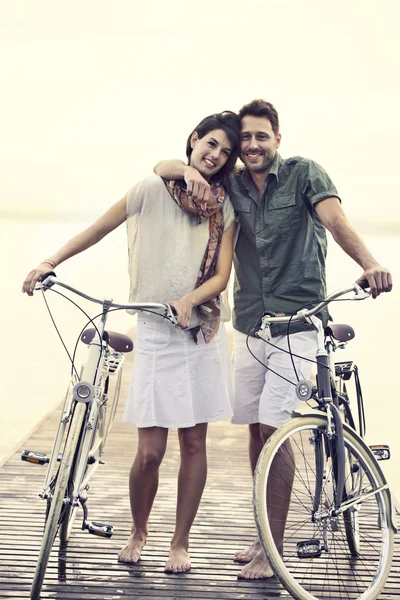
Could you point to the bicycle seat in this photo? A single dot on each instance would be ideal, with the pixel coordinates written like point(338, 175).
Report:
point(339, 332)
point(117, 341)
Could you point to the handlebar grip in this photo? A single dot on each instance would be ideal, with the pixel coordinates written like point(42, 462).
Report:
point(44, 276)
point(363, 283)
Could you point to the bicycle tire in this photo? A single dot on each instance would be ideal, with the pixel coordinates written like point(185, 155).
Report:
point(71, 512)
point(336, 572)
point(56, 504)
point(337, 452)
point(115, 402)
point(352, 483)
point(67, 523)
point(67, 520)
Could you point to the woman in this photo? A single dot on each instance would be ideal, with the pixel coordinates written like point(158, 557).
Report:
point(180, 253)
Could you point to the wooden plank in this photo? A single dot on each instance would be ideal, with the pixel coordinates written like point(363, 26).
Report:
point(88, 568)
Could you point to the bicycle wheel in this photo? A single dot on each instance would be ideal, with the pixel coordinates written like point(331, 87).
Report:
point(316, 561)
point(115, 400)
point(352, 487)
point(350, 516)
point(67, 523)
point(353, 479)
point(56, 504)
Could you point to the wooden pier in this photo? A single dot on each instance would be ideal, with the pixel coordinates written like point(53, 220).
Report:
point(88, 568)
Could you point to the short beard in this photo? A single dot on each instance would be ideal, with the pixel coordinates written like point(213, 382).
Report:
point(265, 166)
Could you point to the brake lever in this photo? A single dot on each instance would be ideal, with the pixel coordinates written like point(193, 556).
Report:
point(360, 293)
point(44, 281)
point(171, 315)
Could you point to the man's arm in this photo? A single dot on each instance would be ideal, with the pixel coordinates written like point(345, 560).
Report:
point(170, 169)
point(333, 218)
point(197, 187)
point(211, 288)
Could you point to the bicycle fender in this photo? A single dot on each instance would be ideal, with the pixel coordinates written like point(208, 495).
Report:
point(309, 412)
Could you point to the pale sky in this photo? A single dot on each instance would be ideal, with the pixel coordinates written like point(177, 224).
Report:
point(94, 93)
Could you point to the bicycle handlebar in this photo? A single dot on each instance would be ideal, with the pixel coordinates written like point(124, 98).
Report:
point(302, 315)
point(166, 311)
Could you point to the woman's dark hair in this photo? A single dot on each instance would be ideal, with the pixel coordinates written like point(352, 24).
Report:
point(261, 108)
point(230, 123)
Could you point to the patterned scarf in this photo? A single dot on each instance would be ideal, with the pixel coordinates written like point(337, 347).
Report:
point(208, 313)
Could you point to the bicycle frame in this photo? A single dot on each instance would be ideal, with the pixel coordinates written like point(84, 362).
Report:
point(92, 373)
point(93, 431)
point(325, 373)
point(334, 436)
point(325, 368)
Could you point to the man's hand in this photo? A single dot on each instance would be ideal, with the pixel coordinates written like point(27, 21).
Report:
point(379, 280)
point(183, 308)
point(198, 189)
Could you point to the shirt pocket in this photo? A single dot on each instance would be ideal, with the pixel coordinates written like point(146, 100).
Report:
point(242, 204)
point(243, 216)
point(284, 214)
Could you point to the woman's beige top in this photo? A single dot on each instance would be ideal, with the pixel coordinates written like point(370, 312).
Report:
point(166, 244)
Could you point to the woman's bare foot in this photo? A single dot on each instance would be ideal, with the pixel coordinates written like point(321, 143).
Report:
point(247, 555)
point(131, 552)
point(258, 568)
point(178, 561)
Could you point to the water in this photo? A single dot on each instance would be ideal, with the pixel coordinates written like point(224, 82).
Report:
point(35, 368)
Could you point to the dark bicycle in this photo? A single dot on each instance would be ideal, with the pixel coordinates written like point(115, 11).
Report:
point(340, 524)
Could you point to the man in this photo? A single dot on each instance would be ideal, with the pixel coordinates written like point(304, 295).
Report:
point(284, 208)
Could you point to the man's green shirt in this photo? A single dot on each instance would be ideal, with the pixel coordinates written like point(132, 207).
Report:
point(281, 247)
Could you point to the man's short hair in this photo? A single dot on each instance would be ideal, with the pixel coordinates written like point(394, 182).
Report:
point(261, 108)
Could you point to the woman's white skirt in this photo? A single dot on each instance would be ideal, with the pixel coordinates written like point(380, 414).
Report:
point(175, 382)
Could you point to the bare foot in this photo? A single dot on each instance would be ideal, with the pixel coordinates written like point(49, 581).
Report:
point(247, 555)
point(131, 552)
point(258, 568)
point(178, 561)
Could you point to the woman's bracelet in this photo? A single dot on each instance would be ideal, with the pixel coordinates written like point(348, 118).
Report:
point(50, 262)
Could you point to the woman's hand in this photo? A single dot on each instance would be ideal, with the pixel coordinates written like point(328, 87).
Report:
point(29, 284)
point(183, 308)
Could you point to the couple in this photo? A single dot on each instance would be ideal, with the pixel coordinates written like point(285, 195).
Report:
point(181, 376)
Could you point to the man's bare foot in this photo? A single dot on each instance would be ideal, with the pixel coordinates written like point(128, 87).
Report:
point(247, 555)
point(258, 568)
point(131, 552)
point(178, 561)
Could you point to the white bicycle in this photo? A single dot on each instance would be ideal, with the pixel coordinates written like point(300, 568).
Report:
point(84, 426)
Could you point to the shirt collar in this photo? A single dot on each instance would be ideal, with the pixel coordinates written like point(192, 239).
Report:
point(274, 170)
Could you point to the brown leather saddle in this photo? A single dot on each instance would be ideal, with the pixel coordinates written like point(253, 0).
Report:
point(339, 332)
point(117, 341)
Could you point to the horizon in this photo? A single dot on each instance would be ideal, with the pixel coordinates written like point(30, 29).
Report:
point(91, 104)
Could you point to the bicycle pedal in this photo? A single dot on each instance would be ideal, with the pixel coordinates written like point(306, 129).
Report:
point(380, 451)
point(309, 548)
point(100, 529)
point(37, 458)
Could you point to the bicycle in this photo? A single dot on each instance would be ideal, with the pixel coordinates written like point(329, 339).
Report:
point(340, 523)
point(83, 426)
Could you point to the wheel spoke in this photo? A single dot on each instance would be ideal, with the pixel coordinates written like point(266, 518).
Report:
point(354, 553)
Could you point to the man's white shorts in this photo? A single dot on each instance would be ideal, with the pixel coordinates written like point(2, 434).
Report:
point(260, 396)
